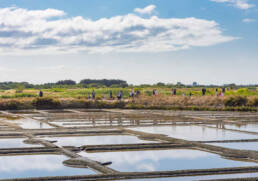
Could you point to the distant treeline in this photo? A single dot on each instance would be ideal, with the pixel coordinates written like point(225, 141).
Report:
point(115, 83)
point(85, 83)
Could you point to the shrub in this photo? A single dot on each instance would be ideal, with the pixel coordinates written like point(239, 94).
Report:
point(235, 101)
point(46, 103)
point(6, 97)
point(253, 102)
point(17, 95)
point(10, 105)
point(148, 93)
point(58, 89)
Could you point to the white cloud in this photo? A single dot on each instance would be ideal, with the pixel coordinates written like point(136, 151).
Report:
point(54, 68)
point(5, 69)
point(41, 32)
point(248, 20)
point(241, 4)
point(147, 10)
point(31, 163)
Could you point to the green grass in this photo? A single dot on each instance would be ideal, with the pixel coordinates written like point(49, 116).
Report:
point(101, 92)
point(18, 95)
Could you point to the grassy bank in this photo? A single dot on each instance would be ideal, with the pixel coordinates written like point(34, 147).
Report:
point(209, 103)
point(104, 92)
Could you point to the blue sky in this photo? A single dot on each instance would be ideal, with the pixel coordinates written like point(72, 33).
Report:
point(146, 41)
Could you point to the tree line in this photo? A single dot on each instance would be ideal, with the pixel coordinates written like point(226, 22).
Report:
point(114, 83)
point(85, 83)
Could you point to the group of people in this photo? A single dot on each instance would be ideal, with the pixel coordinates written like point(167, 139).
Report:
point(137, 93)
point(155, 92)
point(133, 93)
point(119, 95)
point(222, 93)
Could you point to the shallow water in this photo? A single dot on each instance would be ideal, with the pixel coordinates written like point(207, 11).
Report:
point(243, 127)
point(240, 145)
point(164, 160)
point(37, 166)
point(156, 160)
point(96, 140)
point(245, 175)
point(15, 143)
point(196, 133)
point(105, 122)
point(30, 124)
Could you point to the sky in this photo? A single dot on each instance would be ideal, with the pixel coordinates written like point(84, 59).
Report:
point(142, 42)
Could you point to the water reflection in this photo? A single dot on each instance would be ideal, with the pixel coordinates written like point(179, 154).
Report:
point(196, 133)
point(14, 143)
point(243, 127)
point(240, 145)
point(30, 124)
point(244, 175)
point(36, 166)
point(96, 140)
point(164, 160)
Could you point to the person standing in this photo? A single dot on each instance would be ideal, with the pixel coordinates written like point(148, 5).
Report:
point(217, 92)
point(110, 94)
point(156, 92)
point(137, 93)
point(132, 93)
point(40, 93)
point(203, 91)
point(223, 91)
point(119, 95)
point(93, 94)
point(174, 92)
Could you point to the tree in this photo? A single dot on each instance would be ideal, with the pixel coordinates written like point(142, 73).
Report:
point(66, 82)
point(161, 84)
point(106, 82)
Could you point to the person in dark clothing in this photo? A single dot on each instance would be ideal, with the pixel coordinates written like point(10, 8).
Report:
point(120, 95)
point(132, 93)
point(110, 95)
point(223, 91)
point(40, 93)
point(137, 93)
point(93, 94)
point(153, 92)
point(190, 94)
point(174, 92)
point(203, 91)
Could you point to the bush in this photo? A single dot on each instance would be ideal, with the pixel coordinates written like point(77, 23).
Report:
point(46, 103)
point(10, 105)
point(25, 95)
point(6, 96)
point(253, 102)
point(148, 93)
point(58, 89)
point(18, 95)
point(235, 101)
